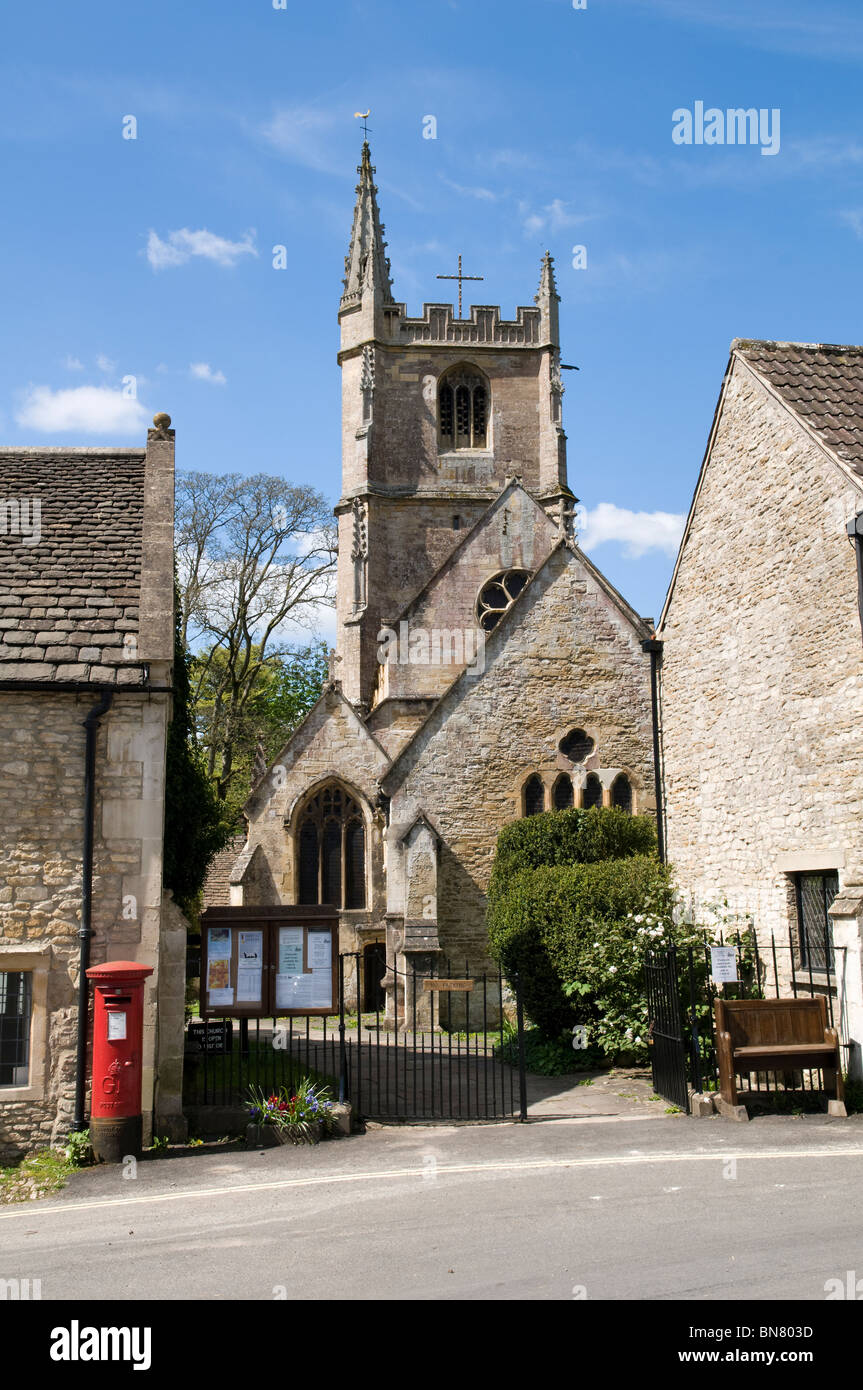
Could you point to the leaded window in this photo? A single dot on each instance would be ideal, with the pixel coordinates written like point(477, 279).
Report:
point(815, 894)
point(16, 1006)
point(577, 745)
point(331, 841)
point(562, 794)
point(498, 595)
point(621, 793)
point(534, 796)
point(463, 410)
point(592, 795)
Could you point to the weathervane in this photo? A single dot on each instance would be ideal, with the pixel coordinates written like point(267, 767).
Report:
point(364, 117)
point(460, 277)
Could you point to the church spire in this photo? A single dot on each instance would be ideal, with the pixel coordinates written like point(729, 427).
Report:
point(366, 266)
point(548, 299)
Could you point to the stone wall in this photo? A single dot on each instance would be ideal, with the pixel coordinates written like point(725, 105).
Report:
point(761, 668)
point(570, 656)
point(41, 783)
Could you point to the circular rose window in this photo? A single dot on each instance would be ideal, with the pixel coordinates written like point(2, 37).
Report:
point(498, 595)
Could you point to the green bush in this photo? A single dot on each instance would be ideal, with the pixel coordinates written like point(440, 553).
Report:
point(570, 837)
point(547, 924)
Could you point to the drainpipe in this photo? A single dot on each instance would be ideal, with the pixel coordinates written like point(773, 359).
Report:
point(654, 647)
point(85, 934)
point(855, 532)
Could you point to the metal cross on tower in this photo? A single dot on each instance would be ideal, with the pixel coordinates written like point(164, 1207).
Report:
point(460, 277)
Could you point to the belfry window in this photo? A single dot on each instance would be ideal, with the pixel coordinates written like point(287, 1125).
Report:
point(331, 850)
point(463, 410)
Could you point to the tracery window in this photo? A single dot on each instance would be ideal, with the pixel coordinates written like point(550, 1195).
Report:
point(331, 849)
point(498, 595)
point(577, 745)
point(463, 400)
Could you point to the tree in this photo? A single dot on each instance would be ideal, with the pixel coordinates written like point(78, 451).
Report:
point(195, 829)
point(285, 690)
point(256, 559)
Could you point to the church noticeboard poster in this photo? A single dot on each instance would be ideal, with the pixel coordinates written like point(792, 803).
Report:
point(266, 967)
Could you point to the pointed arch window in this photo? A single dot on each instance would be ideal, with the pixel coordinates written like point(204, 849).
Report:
point(592, 795)
point(534, 796)
point(621, 793)
point(331, 850)
point(463, 409)
point(562, 795)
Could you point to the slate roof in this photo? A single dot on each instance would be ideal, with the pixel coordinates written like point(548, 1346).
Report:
point(70, 589)
point(823, 384)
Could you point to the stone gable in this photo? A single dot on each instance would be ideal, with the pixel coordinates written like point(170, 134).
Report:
point(762, 661)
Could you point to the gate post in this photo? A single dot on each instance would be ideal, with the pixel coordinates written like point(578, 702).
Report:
point(343, 1059)
point(522, 1078)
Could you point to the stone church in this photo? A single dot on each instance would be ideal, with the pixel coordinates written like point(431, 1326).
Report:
point(485, 669)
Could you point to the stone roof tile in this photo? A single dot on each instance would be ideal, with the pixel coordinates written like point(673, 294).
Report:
point(822, 383)
point(70, 585)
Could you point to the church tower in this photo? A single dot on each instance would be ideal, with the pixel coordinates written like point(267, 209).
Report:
point(439, 413)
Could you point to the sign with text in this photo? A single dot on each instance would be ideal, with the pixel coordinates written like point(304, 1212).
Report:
point(723, 965)
point(447, 984)
point(268, 962)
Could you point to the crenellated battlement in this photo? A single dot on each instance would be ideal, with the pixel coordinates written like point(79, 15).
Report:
point(485, 327)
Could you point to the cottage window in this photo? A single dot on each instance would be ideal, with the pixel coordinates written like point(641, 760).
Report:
point(814, 895)
point(331, 850)
point(16, 1007)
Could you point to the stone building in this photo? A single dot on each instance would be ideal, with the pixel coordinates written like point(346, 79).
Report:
point(86, 654)
point(762, 662)
point(485, 669)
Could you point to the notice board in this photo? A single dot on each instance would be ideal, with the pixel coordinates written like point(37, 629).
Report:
point(269, 962)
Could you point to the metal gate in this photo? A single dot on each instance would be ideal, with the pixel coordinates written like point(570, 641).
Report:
point(457, 1052)
point(665, 1028)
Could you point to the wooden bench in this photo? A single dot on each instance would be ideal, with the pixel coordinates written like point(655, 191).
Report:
point(784, 1035)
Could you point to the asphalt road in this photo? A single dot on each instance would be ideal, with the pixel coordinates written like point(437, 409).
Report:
point(666, 1208)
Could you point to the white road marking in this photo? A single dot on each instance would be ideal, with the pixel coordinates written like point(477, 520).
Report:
point(418, 1172)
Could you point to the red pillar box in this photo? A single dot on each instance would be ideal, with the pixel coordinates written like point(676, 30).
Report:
point(118, 1029)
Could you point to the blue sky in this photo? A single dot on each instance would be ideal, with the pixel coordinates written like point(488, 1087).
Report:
point(554, 129)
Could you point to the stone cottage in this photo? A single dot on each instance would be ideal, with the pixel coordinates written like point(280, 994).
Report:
point(86, 655)
point(762, 661)
point(485, 669)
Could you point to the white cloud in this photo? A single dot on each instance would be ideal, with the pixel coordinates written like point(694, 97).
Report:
point(303, 134)
point(105, 364)
point(182, 245)
point(854, 219)
point(202, 371)
point(86, 409)
point(554, 217)
point(485, 195)
point(639, 532)
point(73, 364)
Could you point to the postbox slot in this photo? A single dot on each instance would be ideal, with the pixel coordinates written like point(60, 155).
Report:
point(118, 999)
